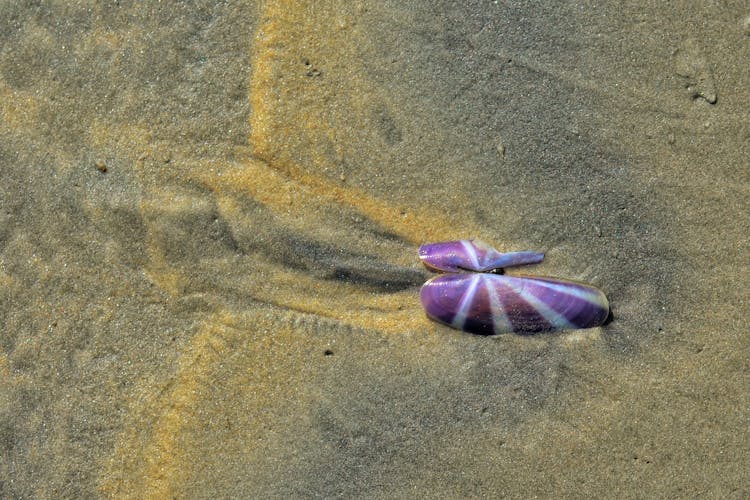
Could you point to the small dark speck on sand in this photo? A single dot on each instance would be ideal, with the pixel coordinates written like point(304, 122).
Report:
point(101, 166)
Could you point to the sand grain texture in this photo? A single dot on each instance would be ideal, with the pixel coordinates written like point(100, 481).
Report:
point(209, 216)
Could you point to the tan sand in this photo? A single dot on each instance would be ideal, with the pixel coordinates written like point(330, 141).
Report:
point(209, 217)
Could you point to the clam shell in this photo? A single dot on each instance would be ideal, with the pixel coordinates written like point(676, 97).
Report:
point(490, 304)
point(472, 255)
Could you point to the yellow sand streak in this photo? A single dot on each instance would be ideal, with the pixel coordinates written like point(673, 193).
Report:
point(161, 458)
point(287, 32)
point(18, 110)
point(153, 458)
point(300, 194)
point(152, 464)
point(349, 304)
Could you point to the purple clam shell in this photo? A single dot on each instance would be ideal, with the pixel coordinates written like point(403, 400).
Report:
point(472, 255)
point(492, 304)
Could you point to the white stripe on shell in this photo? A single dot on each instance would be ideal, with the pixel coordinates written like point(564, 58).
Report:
point(466, 301)
point(472, 254)
point(582, 292)
point(500, 321)
point(550, 315)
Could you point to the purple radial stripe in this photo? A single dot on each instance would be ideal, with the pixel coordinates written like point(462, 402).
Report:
point(441, 298)
point(532, 313)
point(526, 313)
point(468, 300)
point(481, 316)
point(456, 300)
point(490, 303)
point(581, 305)
point(500, 321)
point(471, 254)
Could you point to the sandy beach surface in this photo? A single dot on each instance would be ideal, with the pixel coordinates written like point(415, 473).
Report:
point(209, 221)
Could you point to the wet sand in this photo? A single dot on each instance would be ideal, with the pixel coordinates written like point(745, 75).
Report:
point(209, 218)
